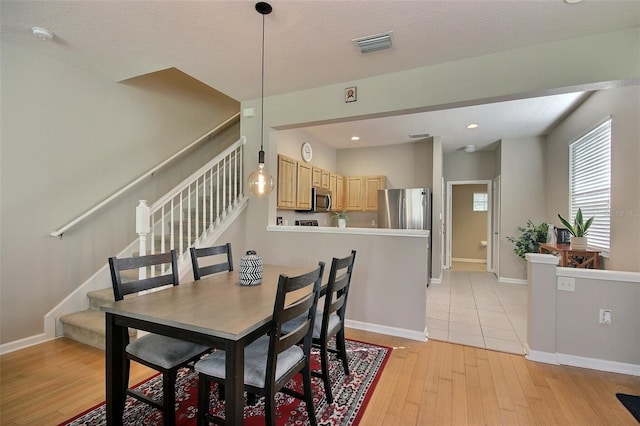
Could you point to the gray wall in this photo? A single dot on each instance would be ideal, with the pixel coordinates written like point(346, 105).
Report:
point(522, 197)
point(564, 327)
point(389, 271)
point(69, 140)
point(407, 165)
point(480, 165)
point(623, 105)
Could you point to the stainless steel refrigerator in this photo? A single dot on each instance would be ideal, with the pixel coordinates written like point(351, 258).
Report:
point(406, 209)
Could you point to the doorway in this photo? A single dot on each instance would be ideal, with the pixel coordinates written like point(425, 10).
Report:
point(469, 215)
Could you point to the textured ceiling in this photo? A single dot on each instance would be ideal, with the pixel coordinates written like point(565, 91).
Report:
point(308, 43)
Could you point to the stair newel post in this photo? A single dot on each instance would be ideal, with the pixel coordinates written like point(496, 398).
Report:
point(142, 228)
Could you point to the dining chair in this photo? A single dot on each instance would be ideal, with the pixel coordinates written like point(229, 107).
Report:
point(161, 353)
point(207, 254)
point(273, 359)
point(330, 320)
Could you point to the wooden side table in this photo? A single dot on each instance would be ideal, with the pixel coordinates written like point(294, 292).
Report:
point(571, 258)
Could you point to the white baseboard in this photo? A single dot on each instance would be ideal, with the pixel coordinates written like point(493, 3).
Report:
point(600, 364)
point(584, 362)
point(458, 259)
point(512, 281)
point(545, 357)
point(24, 343)
point(390, 331)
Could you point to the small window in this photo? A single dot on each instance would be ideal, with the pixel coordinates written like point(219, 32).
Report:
point(480, 201)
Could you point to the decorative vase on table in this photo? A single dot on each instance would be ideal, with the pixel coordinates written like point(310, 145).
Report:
point(251, 269)
point(579, 243)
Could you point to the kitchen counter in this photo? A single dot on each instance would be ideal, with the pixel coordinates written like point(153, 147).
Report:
point(419, 233)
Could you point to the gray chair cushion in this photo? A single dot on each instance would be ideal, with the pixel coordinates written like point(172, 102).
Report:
point(164, 351)
point(334, 324)
point(255, 362)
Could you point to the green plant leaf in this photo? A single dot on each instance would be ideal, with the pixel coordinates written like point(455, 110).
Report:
point(566, 223)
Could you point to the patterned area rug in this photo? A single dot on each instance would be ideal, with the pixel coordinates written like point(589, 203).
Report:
point(350, 393)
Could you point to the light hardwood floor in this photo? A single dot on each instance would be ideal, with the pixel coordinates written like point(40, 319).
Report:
point(432, 383)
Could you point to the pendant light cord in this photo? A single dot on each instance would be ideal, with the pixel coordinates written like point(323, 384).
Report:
point(262, 92)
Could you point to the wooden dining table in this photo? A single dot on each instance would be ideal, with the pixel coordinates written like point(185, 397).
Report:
point(216, 311)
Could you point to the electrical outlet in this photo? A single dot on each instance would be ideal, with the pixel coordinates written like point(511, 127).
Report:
point(566, 284)
point(605, 316)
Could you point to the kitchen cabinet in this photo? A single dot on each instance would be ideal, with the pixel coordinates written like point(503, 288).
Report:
point(362, 192)
point(336, 186)
point(325, 179)
point(316, 179)
point(320, 178)
point(372, 185)
point(303, 186)
point(287, 180)
point(353, 196)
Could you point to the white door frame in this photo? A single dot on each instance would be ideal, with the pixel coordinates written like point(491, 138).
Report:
point(495, 225)
point(450, 185)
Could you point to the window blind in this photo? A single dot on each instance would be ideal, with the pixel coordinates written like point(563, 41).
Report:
point(590, 182)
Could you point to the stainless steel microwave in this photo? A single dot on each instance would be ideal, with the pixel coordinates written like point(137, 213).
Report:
point(320, 201)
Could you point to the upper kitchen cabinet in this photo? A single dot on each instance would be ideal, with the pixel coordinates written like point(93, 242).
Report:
point(320, 178)
point(372, 185)
point(336, 186)
point(353, 196)
point(362, 192)
point(287, 182)
point(303, 186)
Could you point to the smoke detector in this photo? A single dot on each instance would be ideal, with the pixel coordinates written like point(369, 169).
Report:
point(42, 33)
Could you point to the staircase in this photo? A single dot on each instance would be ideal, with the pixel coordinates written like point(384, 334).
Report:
point(88, 326)
point(196, 210)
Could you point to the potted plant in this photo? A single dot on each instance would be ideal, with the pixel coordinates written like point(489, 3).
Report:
point(530, 238)
point(342, 218)
point(578, 230)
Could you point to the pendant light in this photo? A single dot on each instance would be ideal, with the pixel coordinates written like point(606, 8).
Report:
point(260, 181)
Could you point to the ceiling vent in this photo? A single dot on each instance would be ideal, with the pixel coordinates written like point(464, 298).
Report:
point(374, 43)
point(420, 136)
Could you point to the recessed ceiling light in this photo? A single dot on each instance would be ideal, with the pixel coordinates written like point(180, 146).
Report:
point(469, 148)
point(572, 1)
point(472, 126)
point(355, 138)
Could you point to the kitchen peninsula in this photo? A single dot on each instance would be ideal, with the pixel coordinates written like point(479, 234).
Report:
point(390, 276)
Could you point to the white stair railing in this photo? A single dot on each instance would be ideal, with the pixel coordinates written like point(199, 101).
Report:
point(183, 216)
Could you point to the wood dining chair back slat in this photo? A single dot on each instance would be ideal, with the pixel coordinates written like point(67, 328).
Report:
point(200, 255)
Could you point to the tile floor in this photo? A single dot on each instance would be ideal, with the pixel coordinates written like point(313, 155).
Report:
point(472, 308)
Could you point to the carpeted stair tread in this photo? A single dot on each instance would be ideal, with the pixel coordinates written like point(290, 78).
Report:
point(87, 327)
point(100, 297)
